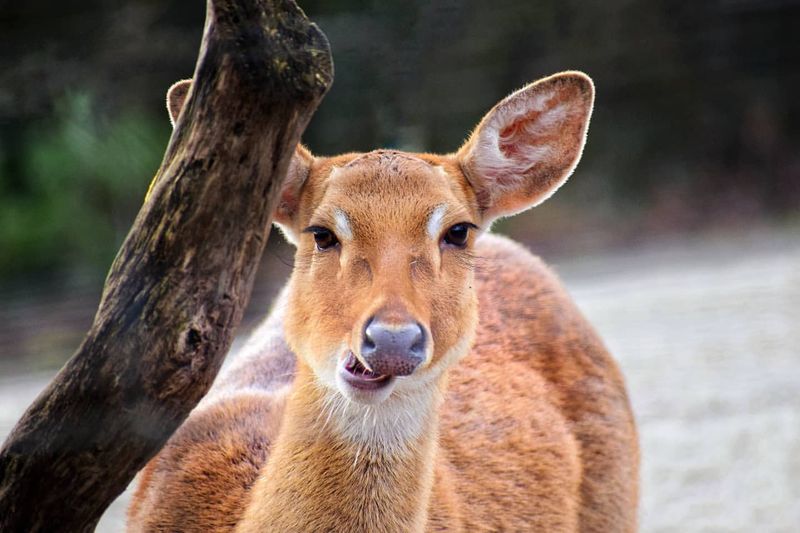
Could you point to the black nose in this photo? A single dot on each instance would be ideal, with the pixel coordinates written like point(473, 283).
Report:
point(393, 349)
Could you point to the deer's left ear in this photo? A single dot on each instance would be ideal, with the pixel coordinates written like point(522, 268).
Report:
point(528, 144)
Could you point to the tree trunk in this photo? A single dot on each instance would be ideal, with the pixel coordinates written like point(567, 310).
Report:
point(178, 287)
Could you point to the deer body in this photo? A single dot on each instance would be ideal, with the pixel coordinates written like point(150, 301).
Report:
point(415, 374)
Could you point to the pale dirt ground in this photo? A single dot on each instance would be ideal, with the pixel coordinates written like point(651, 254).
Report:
point(708, 335)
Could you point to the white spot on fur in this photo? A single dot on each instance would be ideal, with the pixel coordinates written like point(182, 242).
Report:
point(287, 232)
point(343, 228)
point(442, 172)
point(435, 221)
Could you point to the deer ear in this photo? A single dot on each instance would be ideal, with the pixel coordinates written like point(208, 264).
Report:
point(176, 96)
point(528, 144)
point(296, 176)
point(289, 200)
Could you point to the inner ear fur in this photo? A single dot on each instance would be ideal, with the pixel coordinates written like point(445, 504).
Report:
point(527, 146)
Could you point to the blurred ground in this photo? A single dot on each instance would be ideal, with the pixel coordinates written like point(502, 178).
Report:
point(707, 335)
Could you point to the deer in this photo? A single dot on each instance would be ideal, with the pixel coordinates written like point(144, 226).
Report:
point(417, 372)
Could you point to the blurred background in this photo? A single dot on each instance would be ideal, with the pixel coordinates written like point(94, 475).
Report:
point(679, 234)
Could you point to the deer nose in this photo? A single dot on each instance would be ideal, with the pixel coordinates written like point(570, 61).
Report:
point(393, 349)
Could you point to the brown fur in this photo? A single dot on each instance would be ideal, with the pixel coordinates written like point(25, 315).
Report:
point(526, 428)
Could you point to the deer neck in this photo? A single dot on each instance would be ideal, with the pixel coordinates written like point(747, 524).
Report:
point(342, 466)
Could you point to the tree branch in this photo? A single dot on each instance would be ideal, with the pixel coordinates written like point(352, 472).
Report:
point(178, 287)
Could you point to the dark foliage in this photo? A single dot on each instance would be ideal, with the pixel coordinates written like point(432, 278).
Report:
point(696, 122)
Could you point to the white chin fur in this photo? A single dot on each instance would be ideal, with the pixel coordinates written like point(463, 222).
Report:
point(387, 420)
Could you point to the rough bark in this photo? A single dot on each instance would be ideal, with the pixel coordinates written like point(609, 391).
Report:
point(177, 289)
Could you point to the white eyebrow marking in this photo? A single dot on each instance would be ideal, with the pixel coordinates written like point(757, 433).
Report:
point(435, 221)
point(343, 228)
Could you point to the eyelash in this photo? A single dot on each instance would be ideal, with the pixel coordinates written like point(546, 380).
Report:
point(455, 241)
point(324, 238)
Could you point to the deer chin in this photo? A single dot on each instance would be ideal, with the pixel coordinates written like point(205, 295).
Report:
point(359, 384)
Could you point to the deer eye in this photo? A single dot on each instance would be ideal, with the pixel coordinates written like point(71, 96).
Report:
point(458, 234)
point(324, 237)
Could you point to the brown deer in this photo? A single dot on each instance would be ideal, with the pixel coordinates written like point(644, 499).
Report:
point(417, 373)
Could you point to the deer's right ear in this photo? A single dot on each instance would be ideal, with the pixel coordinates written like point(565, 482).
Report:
point(176, 96)
point(289, 201)
point(296, 176)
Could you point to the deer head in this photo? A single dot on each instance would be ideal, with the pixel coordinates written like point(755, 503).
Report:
point(381, 300)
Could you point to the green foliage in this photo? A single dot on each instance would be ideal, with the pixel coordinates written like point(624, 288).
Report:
point(696, 119)
point(85, 175)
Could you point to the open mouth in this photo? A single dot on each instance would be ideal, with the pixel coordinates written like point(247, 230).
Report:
point(360, 377)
